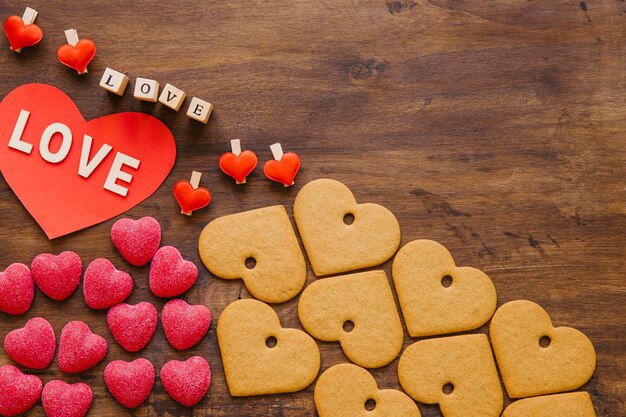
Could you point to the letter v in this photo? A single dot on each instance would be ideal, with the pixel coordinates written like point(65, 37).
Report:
point(85, 166)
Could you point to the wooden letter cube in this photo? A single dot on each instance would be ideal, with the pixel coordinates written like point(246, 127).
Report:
point(114, 81)
point(146, 90)
point(172, 97)
point(199, 110)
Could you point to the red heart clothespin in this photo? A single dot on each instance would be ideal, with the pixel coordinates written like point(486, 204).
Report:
point(21, 31)
point(190, 196)
point(238, 164)
point(76, 54)
point(283, 168)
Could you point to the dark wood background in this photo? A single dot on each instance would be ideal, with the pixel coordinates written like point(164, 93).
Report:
point(494, 127)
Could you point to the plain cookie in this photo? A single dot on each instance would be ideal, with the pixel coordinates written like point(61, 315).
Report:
point(359, 311)
point(575, 404)
point(458, 373)
point(259, 356)
point(436, 296)
point(266, 236)
point(334, 246)
point(518, 330)
point(347, 390)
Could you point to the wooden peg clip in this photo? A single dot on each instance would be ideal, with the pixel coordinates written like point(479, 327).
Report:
point(28, 18)
point(190, 195)
point(277, 151)
point(71, 35)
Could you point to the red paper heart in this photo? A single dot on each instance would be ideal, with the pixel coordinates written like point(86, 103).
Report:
point(58, 198)
point(191, 199)
point(61, 399)
point(238, 166)
point(184, 325)
point(132, 325)
point(79, 56)
point(21, 35)
point(130, 383)
point(283, 171)
point(186, 382)
point(18, 392)
point(79, 348)
point(33, 345)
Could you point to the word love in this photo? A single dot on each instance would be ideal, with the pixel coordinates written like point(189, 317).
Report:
point(85, 165)
point(70, 173)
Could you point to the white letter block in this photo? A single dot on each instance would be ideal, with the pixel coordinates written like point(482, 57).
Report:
point(114, 81)
point(146, 90)
point(172, 97)
point(199, 110)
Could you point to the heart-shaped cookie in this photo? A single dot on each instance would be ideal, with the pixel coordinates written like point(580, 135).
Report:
point(238, 166)
point(18, 392)
point(17, 289)
point(436, 296)
point(458, 373)
point(104, 286)
point(518, 330)
point(358, 310)
point(186, 382)
point(258, 246)
point(573, 404)
point(130, 383)
point(33, 345)
point(57, 276)
point(347, 390)
point(79, 348)
point(170, 274)
point(137, 240)
point(184, 325)
point(132, 325)
point(77, 56)
point(332, 245)
point(61, 399)
point(21, 35)
point(261, 357)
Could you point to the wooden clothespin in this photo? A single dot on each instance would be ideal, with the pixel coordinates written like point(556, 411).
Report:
point(238, 164)
point(190, 195)
point(284, 167)
point(19, 36)
point(76, 53)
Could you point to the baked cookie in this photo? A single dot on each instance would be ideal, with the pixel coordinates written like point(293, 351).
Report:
point(263, 237)
point(259, 356)
point(346, 390)
point(334, 246)
point(435, 295)
point(574, 404)
point(357, 310)
point(458, 373)
point(536, 358)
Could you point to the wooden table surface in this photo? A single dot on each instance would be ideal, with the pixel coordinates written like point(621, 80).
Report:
point(494, 127)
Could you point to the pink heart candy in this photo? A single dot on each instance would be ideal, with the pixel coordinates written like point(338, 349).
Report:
point(61, 399)
point(57, 276)
point(33, 345)
point(185, 324)
point(186, 382)
point(130, 383)
point(137, 240)
point(18, 392)
point(17, 289)
point(170, 274)
point(104, 286)
point(132, 325)
point(79, 348)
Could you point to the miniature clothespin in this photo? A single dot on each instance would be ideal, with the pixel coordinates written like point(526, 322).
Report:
point(283, 168)
point(22, 31)
point(190, 195)
point(76, 54)
point(236, 163)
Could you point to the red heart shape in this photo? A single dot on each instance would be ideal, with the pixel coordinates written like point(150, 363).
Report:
point(191, 199)
point(33, 345)
point(170, 275)
point(61, 399)
point(130, 383)
point(21, 35)
point(104, 286)
point(79, 56)
point(18, 392)
point(132, 325)
point(17, 289)
point(57, 276)
point(184, 324)
point(238, 166)
point(283, 171)
point(186, 382)
point(59, 199)
point(79, 348)
point(137, 240)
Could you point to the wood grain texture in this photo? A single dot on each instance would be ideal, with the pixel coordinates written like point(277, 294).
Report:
point(494, 127)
